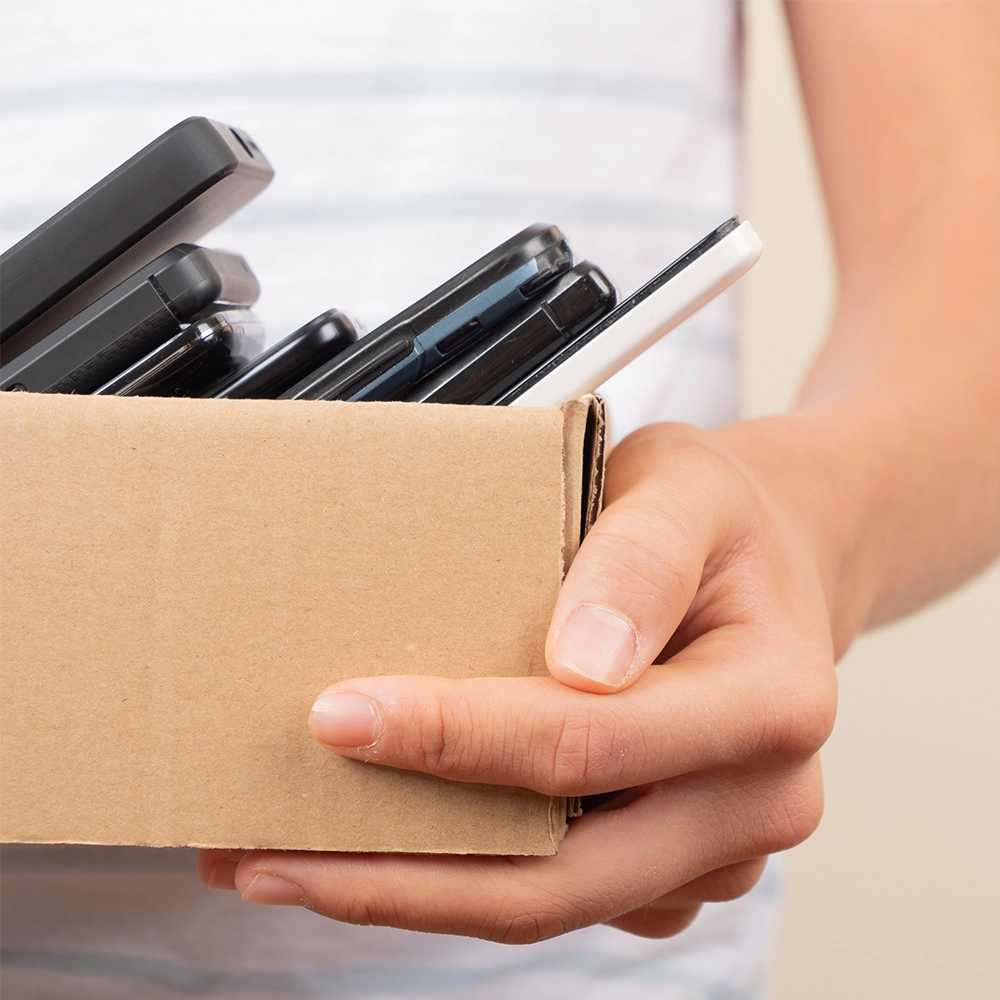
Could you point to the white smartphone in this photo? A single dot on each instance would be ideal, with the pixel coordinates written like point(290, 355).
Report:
point(663, 303)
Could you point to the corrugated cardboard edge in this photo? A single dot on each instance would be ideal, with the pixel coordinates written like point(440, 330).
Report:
point(584, 423)
point(594, 446)
point(584, 436)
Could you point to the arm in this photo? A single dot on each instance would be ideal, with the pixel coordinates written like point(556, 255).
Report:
point(749, 556)
point(904, 101)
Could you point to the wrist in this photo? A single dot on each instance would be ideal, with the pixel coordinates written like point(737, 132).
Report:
point(819, 471)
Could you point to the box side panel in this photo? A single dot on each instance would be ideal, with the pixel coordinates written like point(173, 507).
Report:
point(182, 577)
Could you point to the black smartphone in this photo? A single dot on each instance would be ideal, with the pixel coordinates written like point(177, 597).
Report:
point(506, 354)
point(282, 365)
point(173, 191)
point(129, 321)
point(451, 318)
point(191, 359)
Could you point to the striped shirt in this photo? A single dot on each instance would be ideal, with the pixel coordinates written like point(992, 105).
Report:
point(408, 139)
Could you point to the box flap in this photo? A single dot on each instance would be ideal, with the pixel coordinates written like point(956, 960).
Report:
point(583, 460)
point(594, 453)
point(182, 577)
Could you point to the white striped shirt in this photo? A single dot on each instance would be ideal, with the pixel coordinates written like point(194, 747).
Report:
point(408, 139)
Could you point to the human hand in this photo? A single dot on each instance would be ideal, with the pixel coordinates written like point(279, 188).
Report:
point(707, 560)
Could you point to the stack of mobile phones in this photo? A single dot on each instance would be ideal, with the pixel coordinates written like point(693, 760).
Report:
point(524, 326)
point(111, 296)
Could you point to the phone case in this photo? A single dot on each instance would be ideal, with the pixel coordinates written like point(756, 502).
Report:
point(173, 191)
point(282, 365)
point(481, 374)
point(130, 320)
point(449, 319)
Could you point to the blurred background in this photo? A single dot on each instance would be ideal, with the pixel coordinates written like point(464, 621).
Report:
point(898, 893)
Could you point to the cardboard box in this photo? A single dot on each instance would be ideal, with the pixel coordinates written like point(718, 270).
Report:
point(181, 578)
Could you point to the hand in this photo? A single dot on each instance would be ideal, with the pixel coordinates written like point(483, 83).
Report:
point(698, 600)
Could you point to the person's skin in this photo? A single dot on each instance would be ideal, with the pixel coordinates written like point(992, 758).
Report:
point(753, 554)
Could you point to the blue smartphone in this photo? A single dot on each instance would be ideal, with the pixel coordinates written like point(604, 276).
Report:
point(448, 320)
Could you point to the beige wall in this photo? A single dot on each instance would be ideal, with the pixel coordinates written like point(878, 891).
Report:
point(898, 894)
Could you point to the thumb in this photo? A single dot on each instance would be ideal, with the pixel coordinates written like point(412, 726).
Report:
point(670, 507)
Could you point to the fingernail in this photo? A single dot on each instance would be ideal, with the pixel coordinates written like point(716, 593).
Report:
point(274, 891)
point(598, 644)
point(223, 875)
point(344, 719)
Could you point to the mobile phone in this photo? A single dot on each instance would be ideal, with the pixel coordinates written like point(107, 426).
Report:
point(127, 322)
point(282, 365)
point(449, 319)
point(172, 191)
point(188, 361)
point(663, 303)
point(514, 349)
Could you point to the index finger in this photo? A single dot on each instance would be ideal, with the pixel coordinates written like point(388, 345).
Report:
point(728, 697)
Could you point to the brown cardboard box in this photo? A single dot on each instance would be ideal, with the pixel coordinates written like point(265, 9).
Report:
point(181, 578)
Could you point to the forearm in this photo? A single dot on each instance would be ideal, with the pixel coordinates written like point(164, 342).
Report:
point(892, 458)
point(897, 506)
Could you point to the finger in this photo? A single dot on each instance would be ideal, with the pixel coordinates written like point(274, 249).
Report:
point(638, 570)
point(725, 700)
point(674, 912)
point(610, 864)
point(652, 923)
point(718, 886)
point(217, 868)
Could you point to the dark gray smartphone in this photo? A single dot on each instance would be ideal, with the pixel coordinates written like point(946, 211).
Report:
point(484, 372)
point(172, 191)
point(448, 320)
point(132, 319)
